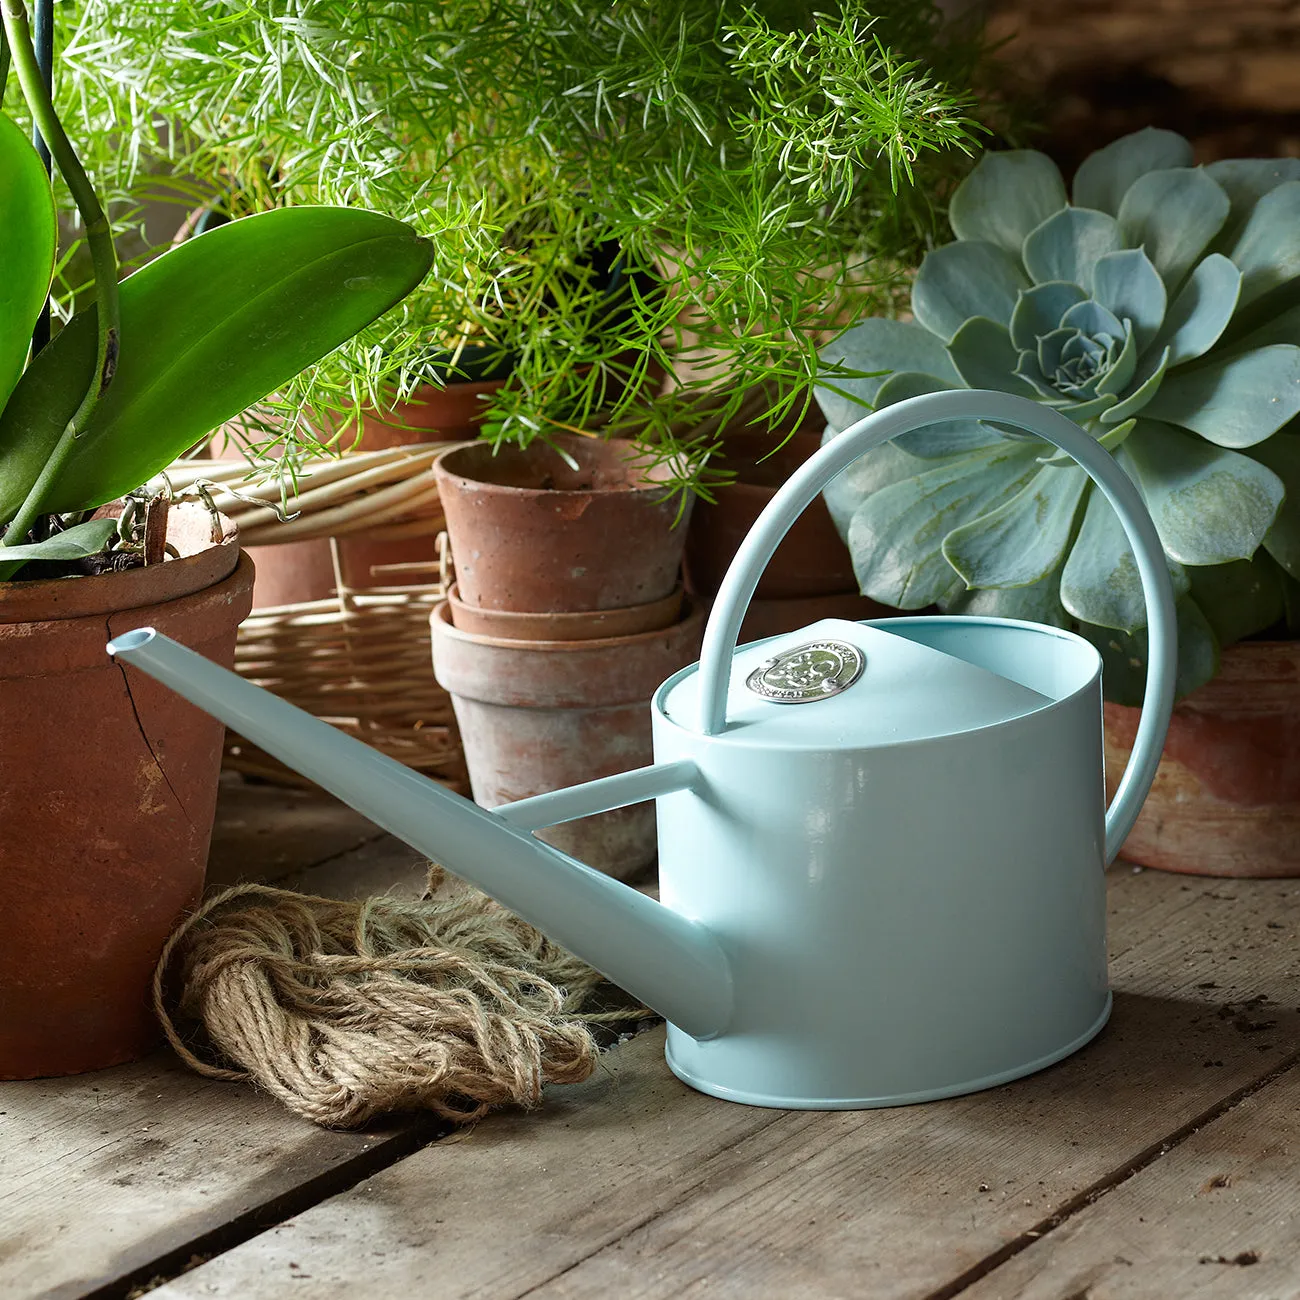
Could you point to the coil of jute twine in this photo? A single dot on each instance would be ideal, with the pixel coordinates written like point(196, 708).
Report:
point(345, 1011)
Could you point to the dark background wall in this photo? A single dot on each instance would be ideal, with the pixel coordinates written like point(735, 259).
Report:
point(1225, 73)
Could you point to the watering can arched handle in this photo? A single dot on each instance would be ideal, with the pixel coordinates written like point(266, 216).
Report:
point(917, 413)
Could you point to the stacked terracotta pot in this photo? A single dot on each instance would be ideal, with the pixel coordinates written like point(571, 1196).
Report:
point(566, 615)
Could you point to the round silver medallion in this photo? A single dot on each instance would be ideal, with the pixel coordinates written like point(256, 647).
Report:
point(815, 671)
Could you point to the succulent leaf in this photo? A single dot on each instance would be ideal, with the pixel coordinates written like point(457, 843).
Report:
point(1104, 177)
point(1143, 387)
point(1069, 244)
point(1129, 286)
point(1210, 505)
point(1124, 655)
point(949, 437)
point(1114, 381)
point(1267, 252)
point(1281, 454)
point(1039, 310)
point(966, 279)
point(1233, 401)
point(882, 347)
point(1201, 311)
point(1100, 582)
point(1173, 215)
point(1024, 539)
point(847, 490)
point(1039, 602)
point(896, 535)
point(1005, 197)
point(1245, 181)
point(1239, 599)
point(985, 357)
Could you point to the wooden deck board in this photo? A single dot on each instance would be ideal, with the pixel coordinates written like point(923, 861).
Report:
point(632, 1185)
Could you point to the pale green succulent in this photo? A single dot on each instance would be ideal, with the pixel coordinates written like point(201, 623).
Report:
point(1160, 309)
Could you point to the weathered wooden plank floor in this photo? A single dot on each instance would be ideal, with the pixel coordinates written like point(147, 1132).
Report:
point(1161, 1161)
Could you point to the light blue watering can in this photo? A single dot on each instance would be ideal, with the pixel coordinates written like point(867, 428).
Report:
point(881, 845)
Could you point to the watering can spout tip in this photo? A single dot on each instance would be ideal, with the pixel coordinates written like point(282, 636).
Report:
point(128, 641)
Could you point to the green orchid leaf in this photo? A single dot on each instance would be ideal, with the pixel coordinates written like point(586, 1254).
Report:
point(1039, 310)
point(1128, 286)
point(985, 357)
point(209, 328)
point(1100, 582)
point(1201, 311)
point(896, 535)
point(1024, 539)
point(1233, 401)
point(1241, 598)
point(875, 348)
point(1173, 215)
point(1039, 602)
point(965, 279)
point(950, 437)
point(1281, 454)
point(1005, 197)
point(1144, 386)
point(28, 243)
point(1267, 251)
point(1104, 177)
point(73, 544)
point(1245, 181)
point(1124, 656)
point(1210, 505)
point(1121, 371)
point(1069, 244)
point(877, 469)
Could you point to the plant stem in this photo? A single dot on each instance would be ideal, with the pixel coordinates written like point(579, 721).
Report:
point(43, 33)
point(103, 257)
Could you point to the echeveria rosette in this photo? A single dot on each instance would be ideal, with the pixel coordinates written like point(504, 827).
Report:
point(1158, 305)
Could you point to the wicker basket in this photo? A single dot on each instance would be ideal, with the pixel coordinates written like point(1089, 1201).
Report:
point(362, 659)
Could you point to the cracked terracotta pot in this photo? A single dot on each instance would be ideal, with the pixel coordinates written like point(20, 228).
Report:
point(108, 786)
point(1226, 798)
point(533, 534)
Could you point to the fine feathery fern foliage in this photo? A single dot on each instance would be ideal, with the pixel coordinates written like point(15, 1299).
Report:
point(612, 189)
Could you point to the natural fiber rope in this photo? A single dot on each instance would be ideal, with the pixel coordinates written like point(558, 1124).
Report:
point(347, 1011)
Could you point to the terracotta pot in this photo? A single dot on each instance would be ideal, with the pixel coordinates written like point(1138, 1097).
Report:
point(811, 561)
point(108, 785)
point(585, 625)
point(530, 533)
point(541, 715)
point(301, 571)
point(1226, 799)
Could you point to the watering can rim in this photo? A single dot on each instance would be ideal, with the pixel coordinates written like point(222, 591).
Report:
point(752, 737)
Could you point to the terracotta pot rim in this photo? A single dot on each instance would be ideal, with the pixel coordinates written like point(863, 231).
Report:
point(650, 487)
point(669, 605)
point(52, 600)
point(693, 612)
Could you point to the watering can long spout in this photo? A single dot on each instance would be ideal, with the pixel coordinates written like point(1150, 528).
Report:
point(673, 964)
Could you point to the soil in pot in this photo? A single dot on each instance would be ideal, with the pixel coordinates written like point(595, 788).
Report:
point(531, 532)
point(537, 716)
point(1226, 798)
point(112, 779)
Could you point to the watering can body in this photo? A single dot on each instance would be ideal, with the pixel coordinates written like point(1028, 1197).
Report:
point(881, 845)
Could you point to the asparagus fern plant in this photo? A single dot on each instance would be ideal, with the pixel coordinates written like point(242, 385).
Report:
point(1158, 305)
point(624, 189)
point(156, 362)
